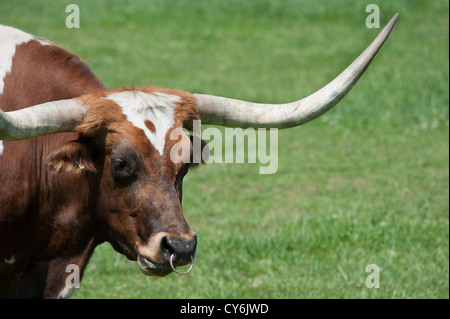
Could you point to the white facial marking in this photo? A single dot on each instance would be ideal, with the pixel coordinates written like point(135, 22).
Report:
point(2, 148)
point(11, 260)
point(10, 38)
point(156, 107)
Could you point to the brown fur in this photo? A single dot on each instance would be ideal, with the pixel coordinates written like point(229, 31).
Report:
point(150, 126)
point(59, 198)
point(46, 73)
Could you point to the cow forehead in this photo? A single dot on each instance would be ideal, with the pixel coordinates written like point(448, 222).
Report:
point(156, 107)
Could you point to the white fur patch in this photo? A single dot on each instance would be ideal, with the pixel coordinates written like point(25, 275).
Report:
point(158, 108)
point(2, 148)
point(10, 38)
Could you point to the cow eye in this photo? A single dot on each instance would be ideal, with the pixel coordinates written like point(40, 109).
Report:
point(118, 165)
point(124, 165)
point(122, 170)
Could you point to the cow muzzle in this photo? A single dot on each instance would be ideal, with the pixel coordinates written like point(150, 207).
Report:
point(166, 251)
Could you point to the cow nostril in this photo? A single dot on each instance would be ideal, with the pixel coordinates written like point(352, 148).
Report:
point(166, 244)
point(182, 250)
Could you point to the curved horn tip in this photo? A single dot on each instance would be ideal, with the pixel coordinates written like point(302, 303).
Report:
point(394, 18)
point(231, 112)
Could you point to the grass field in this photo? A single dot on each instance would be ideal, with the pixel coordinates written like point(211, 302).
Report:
point(367, 183)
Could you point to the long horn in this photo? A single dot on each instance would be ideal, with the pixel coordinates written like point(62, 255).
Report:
point(42, 119)
point(230, 112)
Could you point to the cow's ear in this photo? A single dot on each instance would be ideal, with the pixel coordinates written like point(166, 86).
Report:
point(72, 157)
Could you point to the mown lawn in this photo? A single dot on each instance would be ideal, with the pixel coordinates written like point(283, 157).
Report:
point(367, 183)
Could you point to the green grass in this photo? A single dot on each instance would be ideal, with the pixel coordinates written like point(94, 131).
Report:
point(367, 183)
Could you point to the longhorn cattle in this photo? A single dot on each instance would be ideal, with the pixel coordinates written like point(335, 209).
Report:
point(81, 165)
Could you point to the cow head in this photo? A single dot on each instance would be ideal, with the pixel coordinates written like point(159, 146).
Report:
point(124, 138)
